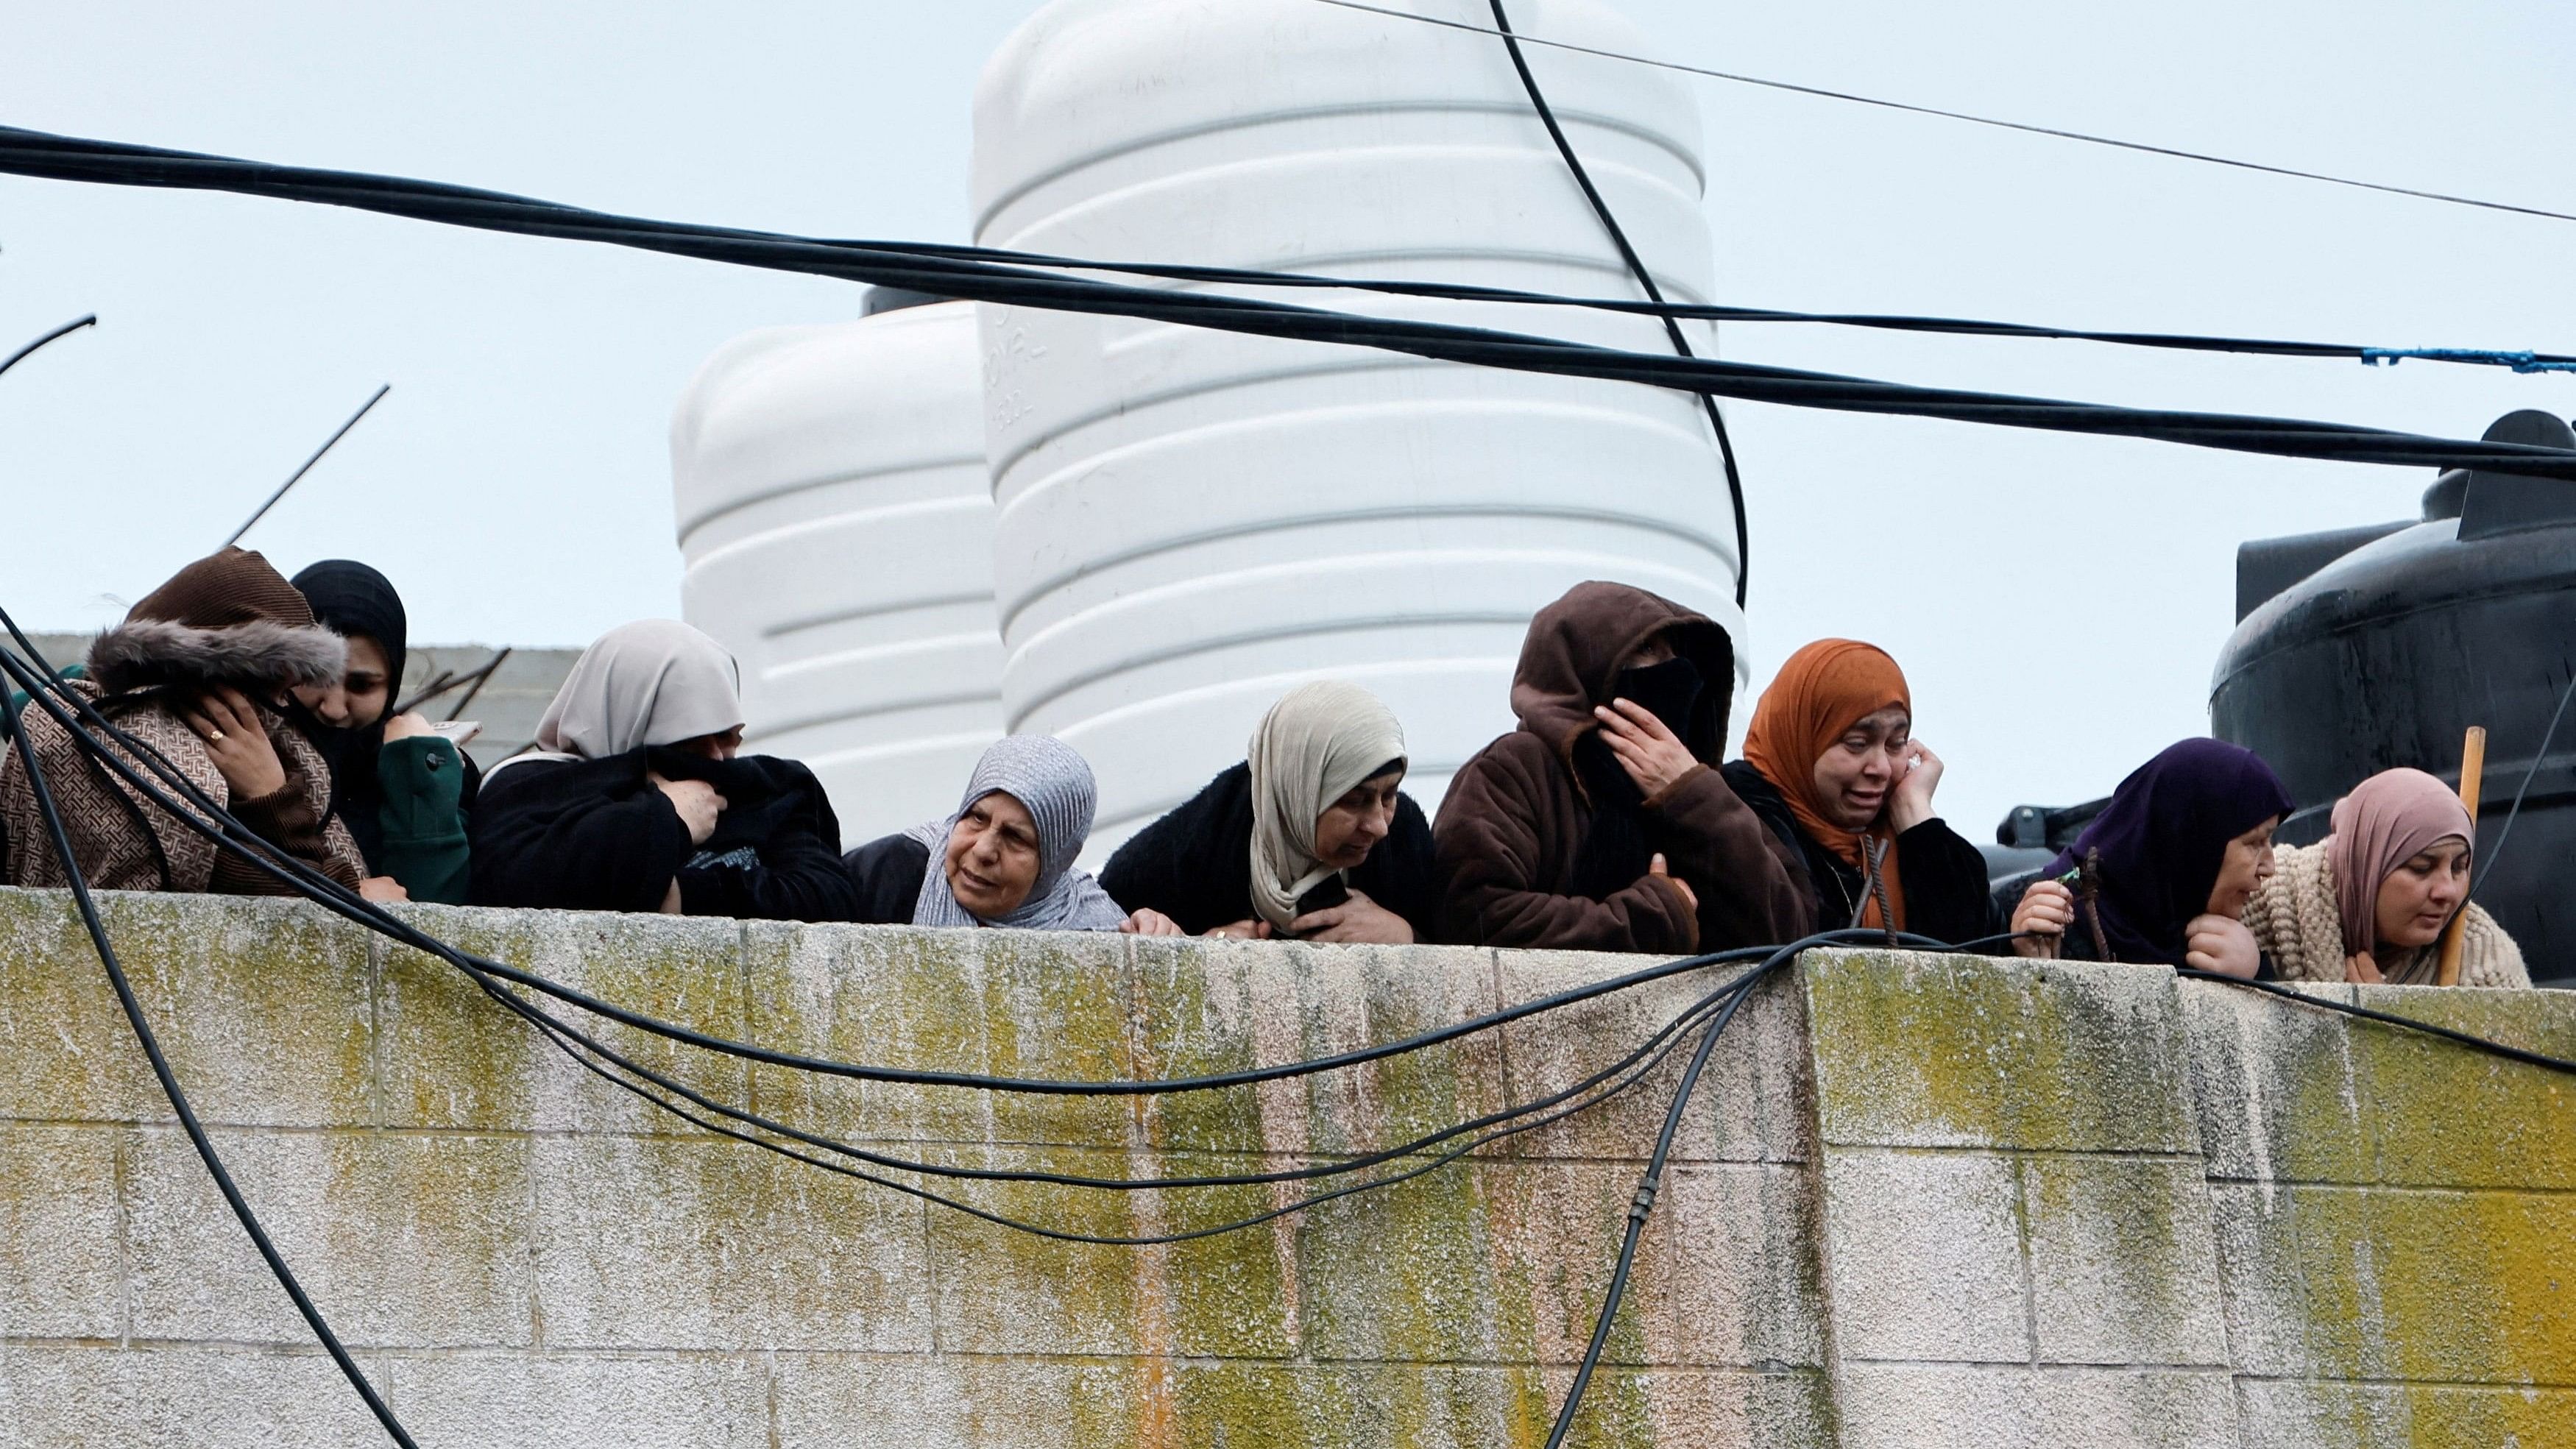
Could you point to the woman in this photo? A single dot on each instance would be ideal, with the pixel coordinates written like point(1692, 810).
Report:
point(1602, 823)
point(1309, 837)
point(200, 673)
point(1832, 766)
point(635, 799)
point(1005, 858)
point(2370, 902)
point(2163, 874)
point(403, 791)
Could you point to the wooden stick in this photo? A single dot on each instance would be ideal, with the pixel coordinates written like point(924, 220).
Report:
point(2473, 769)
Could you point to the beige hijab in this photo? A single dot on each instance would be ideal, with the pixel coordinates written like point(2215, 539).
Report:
point(652, 682)
point(1317, 742)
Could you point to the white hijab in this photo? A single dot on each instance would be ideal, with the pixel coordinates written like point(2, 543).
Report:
point(652, 682)
point(1317, 742)
point(1053, 782)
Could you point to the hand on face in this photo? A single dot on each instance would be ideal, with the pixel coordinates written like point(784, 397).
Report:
point(1652, 754)
point(696, 801)
point(2039, 923)
point(992, 857)
point(230, 725)
point(2221, 944)
point(1357, 918)
point(1911, 802)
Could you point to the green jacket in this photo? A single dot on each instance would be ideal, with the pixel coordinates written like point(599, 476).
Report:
point(423, 817)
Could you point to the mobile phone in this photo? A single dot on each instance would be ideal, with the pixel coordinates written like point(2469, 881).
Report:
point(457, 731)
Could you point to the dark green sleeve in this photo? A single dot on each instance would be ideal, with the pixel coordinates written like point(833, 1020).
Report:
point(423, 819)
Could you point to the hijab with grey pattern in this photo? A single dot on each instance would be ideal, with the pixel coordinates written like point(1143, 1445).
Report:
point(1053, 782)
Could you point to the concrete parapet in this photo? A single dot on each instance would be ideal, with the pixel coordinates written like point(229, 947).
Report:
point(1918, 1201)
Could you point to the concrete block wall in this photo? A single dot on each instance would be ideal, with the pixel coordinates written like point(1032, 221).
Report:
point(1917, 1201)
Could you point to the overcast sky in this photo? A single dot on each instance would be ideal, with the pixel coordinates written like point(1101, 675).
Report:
point(2057, 601)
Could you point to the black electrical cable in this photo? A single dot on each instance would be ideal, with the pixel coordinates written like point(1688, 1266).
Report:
point(1733, 994)
point(1665, 1042)
point(2053, 132)
point(2486, 867)
point(230, 834)
point(339, 899)
point(2457, 1038)
point(1520, 1119)
point(1649, 1184)
point(170, 1088)
point(34, 154)
point(1645, 279)
point(1724, 312)
point(347, 903)
point(573, 1042)
point(65, 330)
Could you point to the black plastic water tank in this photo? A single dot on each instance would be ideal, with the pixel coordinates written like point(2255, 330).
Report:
point(2386, 654)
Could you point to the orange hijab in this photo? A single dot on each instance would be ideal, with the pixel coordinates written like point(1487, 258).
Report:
point(1821, 691)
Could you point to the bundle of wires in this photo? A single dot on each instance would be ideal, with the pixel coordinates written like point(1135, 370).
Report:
point(152, 779)
point(1008, 278)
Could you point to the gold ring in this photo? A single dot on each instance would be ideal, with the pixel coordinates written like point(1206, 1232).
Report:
point(214, 736)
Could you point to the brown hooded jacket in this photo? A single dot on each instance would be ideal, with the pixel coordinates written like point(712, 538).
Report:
point(1516, 814)
point(228, 619)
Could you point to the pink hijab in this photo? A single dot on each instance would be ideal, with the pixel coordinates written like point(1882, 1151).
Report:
point(2380, 826)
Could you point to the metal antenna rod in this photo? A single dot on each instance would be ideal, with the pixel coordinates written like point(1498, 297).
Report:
point(308, 464)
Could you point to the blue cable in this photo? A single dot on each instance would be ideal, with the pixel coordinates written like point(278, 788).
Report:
point(2518, 361)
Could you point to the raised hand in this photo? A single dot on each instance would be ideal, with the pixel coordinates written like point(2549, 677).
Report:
point(229, 723)
point(1652, 754)
point(2039, 923)
point(1910, 803)
point(696, 801)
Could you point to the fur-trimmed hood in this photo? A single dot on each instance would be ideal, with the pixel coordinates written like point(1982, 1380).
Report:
point(141, 653)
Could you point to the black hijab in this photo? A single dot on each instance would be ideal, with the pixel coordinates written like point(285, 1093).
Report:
point(352, 599)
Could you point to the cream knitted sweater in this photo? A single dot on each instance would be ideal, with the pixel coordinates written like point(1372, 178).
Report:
point(2295, 920)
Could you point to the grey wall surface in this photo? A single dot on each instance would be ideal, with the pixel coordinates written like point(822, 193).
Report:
point(1919, 1201)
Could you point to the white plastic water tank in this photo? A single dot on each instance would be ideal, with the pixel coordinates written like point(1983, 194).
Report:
point(1189, 522)
point(835, 519)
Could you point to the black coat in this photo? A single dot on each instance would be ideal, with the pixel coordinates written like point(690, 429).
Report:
point(885, 879)
point(1943, 876)
point(1195, 864)
point(597, 835)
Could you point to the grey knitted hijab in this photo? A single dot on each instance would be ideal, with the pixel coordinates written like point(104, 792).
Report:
point(1053, 781)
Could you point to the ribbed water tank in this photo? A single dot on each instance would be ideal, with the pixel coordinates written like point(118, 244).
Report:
point(1189, 522)
point(836, 524)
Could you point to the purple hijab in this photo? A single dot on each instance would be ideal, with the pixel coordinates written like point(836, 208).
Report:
point(2163, 837)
